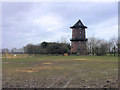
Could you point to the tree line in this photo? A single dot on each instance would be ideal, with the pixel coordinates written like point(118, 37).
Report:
point(47, 48)
point(94, 46)
point(102, 47)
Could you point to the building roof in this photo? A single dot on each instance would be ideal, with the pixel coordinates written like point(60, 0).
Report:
point(79, 24)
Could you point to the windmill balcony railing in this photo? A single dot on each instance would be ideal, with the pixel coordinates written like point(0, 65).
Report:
point(78, 39)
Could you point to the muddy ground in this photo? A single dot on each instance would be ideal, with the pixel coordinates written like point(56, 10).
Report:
point(60, 72)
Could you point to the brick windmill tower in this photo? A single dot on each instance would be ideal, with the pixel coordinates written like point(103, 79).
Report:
point(78, 40)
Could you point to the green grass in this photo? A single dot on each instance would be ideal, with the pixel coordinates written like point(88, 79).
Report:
point(79, 71)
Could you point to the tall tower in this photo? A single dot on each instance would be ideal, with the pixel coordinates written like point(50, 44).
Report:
point(78, 40)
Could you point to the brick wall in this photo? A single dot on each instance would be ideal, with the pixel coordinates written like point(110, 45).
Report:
point(78, 46)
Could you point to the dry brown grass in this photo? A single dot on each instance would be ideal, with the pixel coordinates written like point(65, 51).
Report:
point(47, 63)
point(81, 59)
point(36, 69)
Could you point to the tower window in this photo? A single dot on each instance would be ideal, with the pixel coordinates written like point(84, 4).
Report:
point(83, 48)
point(79, 48)
point(79, 23)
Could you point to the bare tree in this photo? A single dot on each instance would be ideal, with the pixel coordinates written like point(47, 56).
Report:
point(93, 44)
point(114, 45)
point(97, 46)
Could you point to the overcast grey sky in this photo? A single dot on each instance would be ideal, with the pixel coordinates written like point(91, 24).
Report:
point(28, 22)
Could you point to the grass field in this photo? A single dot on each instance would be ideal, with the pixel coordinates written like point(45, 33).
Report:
point(60, 72)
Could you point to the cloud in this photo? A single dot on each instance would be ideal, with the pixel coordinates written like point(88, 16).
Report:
point(105, 29)
point(107, 32)
point(34, 22)
point(49, 22)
